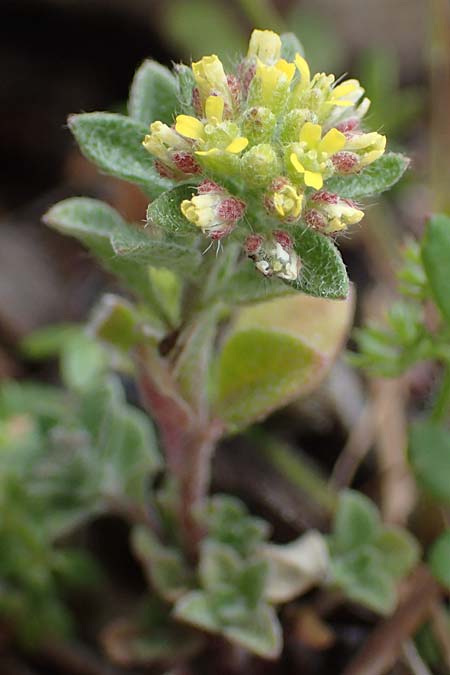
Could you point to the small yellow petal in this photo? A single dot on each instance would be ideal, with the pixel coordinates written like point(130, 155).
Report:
point(303, 68)
point(237, 145)
point(298, 166)
point(205, 153)
point(286, 68)
point(310, 134)
point(332, 142)
point(214, 106)
point(189, 126)
point(313, 179)
point(347, 87)
point(340, 103)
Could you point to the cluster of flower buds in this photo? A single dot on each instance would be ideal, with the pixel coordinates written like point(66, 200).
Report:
point(275, 134)
point(274, 256)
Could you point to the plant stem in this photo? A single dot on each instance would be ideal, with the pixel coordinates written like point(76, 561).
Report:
point(441, 408)
point(298, 472)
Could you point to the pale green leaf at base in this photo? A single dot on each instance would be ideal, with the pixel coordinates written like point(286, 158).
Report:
point(275, 352)
point(436, 256)
point(377, 177)
point(153, 94)
point(114, 143)
point(259, 371)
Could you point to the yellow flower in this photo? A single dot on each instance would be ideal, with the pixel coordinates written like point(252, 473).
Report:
point(163, 140)
point(310, 157)
point(211, 78)
point(344, 94)
point(213, 210)
point(369, 147)
point(264, 45)
point(330, 213)
point(195, 129)
point(275, 81)
point(284, 200)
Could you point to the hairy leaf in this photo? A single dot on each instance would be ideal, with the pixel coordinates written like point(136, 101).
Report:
point(114, 143)
point(377, 177)
point(153, 94)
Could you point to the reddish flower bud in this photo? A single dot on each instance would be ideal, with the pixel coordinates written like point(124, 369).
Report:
point(345, 161)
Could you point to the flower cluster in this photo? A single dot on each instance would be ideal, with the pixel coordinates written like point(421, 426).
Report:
point(274, 135)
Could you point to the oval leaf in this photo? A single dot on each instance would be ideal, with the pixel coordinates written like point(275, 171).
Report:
point(323, 273)
point(439, 559)
point(376, 178)
point(114, 144)
point(275, 352)
point(153, 94)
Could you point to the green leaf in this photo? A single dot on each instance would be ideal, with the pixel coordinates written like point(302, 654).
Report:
point(429, 454)
point(164, 567)
point(357, 522)
point(186, 84)
point(399, 550)
point(247, 285)
point(153, 94)
point(436, 257)
point(115, 321)
point(378, 177)
point(47, 342)
point(260, 634)
point(192, 367)
point(260, 371)
point(114, 143)
point(290, 46)
point(124, 441)
point(228, 521)
point(276, 351)
point(439, 559)
point(122, 249)
point(83, 362)
point(323, 273)
point(219, 564)
point(165, 212)
point(364, 580)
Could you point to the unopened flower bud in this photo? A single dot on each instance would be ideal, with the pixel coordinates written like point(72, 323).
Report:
point(329, 213)
point(213, 210)
point(283, 200)
point(264, 45)
point(260, 165)
point(345, 162)
point(274, 257)
point(258, 124)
